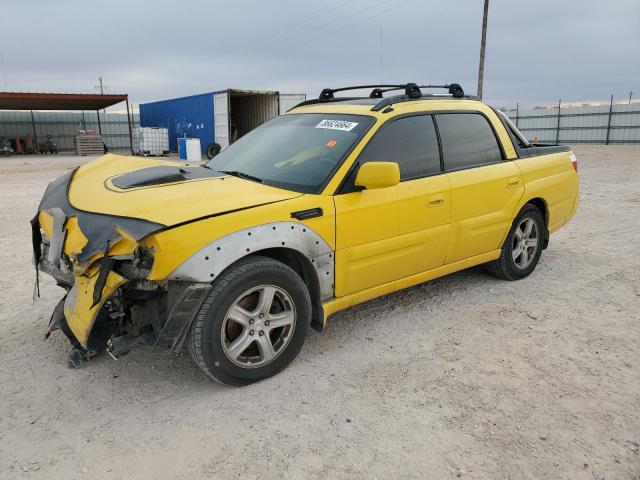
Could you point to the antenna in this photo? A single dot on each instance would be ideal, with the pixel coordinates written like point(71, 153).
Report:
point(101, 87)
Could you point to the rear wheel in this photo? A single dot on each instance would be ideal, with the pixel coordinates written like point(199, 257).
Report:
point(523, 246)
point(253, 322)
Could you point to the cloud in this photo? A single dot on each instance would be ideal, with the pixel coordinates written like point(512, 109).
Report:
point(537, 52)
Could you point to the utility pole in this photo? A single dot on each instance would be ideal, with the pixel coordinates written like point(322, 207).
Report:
point(4, 73)
point(381, 70)
point(102, 88)
point(630, 94)
point(483, 44)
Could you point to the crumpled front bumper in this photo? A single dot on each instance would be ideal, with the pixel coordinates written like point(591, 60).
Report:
point(78, 249)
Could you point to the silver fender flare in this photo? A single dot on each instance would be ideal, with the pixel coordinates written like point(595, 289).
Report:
point(211, 260)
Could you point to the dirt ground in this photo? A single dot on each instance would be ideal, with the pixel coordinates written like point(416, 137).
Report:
point(466, 376)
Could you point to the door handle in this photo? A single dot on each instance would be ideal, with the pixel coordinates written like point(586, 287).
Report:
point(513, 182)
point(436, 200)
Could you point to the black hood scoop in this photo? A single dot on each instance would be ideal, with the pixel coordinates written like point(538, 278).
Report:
point(162, 175)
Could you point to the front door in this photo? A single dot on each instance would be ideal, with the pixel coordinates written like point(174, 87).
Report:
point(387, 234)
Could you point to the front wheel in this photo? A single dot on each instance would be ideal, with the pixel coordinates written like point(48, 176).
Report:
point(523, 246)
point(253, 322)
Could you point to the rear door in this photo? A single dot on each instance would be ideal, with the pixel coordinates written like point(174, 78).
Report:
point(289, 100)
point(387, 234)
point(221, 118)
point(485, 188)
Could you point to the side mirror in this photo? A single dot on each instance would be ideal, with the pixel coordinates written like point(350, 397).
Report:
point(378, 175)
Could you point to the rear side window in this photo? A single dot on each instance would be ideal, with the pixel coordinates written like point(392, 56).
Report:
point(467, 140)
point(411, 142)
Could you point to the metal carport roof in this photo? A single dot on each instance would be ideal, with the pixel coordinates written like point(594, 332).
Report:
point(63, 101)
point(58, 101)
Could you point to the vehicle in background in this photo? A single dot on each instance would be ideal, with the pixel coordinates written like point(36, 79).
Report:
point(338, 201)
point(49, 145)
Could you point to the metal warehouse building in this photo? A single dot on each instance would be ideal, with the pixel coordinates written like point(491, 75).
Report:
point(217, 117)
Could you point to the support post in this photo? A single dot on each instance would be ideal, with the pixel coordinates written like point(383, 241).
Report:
point(99, 125)
point(609, 122)
point(129, 123)
point(483, 44)
point(35, 135)
point(84, 124)
point(558, 123)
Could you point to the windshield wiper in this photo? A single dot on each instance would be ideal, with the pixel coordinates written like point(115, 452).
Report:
point(246, 176)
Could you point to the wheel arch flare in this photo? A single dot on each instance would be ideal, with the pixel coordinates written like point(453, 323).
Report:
point(210, 261)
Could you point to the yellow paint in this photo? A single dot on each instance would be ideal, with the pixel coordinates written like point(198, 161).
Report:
point(378, 175)
point(126, 245)
point(483, 200)
point(174, 246)
point(390, 233)
point(79, 313)
point(46, 223)
point(387, 237)
point(553, 179)
point(333, 306)
point(75, 239)
point(92, 190)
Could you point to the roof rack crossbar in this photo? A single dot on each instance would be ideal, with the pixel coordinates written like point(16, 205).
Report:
point(455, 90)
point(411, 92)
point(327, 93)
point(410, 89)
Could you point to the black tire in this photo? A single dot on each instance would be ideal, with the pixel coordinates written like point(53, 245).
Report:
point(505, 266)
point(213, 149)
point(206, 336)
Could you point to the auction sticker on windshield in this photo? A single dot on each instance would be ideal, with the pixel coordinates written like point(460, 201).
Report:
point(337, 125)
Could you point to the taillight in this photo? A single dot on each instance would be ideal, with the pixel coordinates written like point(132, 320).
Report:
point(574, 161)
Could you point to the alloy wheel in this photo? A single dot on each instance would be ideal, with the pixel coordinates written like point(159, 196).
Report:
point(526, 240)
point(258, 326)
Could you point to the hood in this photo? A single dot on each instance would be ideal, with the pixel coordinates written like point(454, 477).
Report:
point(164, 192)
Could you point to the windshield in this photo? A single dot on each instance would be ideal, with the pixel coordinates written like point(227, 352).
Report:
point(298, 152)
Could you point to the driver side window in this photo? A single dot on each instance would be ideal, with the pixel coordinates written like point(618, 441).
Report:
point(411, 142)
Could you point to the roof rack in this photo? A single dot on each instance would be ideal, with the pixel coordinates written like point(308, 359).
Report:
point(411, 92)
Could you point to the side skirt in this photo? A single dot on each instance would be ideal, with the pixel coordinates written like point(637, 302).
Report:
point(337, 304)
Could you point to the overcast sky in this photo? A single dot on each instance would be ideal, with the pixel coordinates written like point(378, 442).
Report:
point(537, 51)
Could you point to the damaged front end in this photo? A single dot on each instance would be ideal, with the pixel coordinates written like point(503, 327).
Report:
point(102, 261)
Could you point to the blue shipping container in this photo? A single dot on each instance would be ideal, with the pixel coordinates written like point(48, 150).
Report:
point(221, 117)
point(186, 116)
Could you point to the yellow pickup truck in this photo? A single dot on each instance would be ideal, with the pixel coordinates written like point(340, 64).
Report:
point(340, 200)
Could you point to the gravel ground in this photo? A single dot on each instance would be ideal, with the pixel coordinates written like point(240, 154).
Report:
point(466, 376)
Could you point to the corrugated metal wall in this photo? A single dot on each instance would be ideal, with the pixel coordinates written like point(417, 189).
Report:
point(580, 124)
point(64, 126)
point(186, 116)
point(251, 111)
